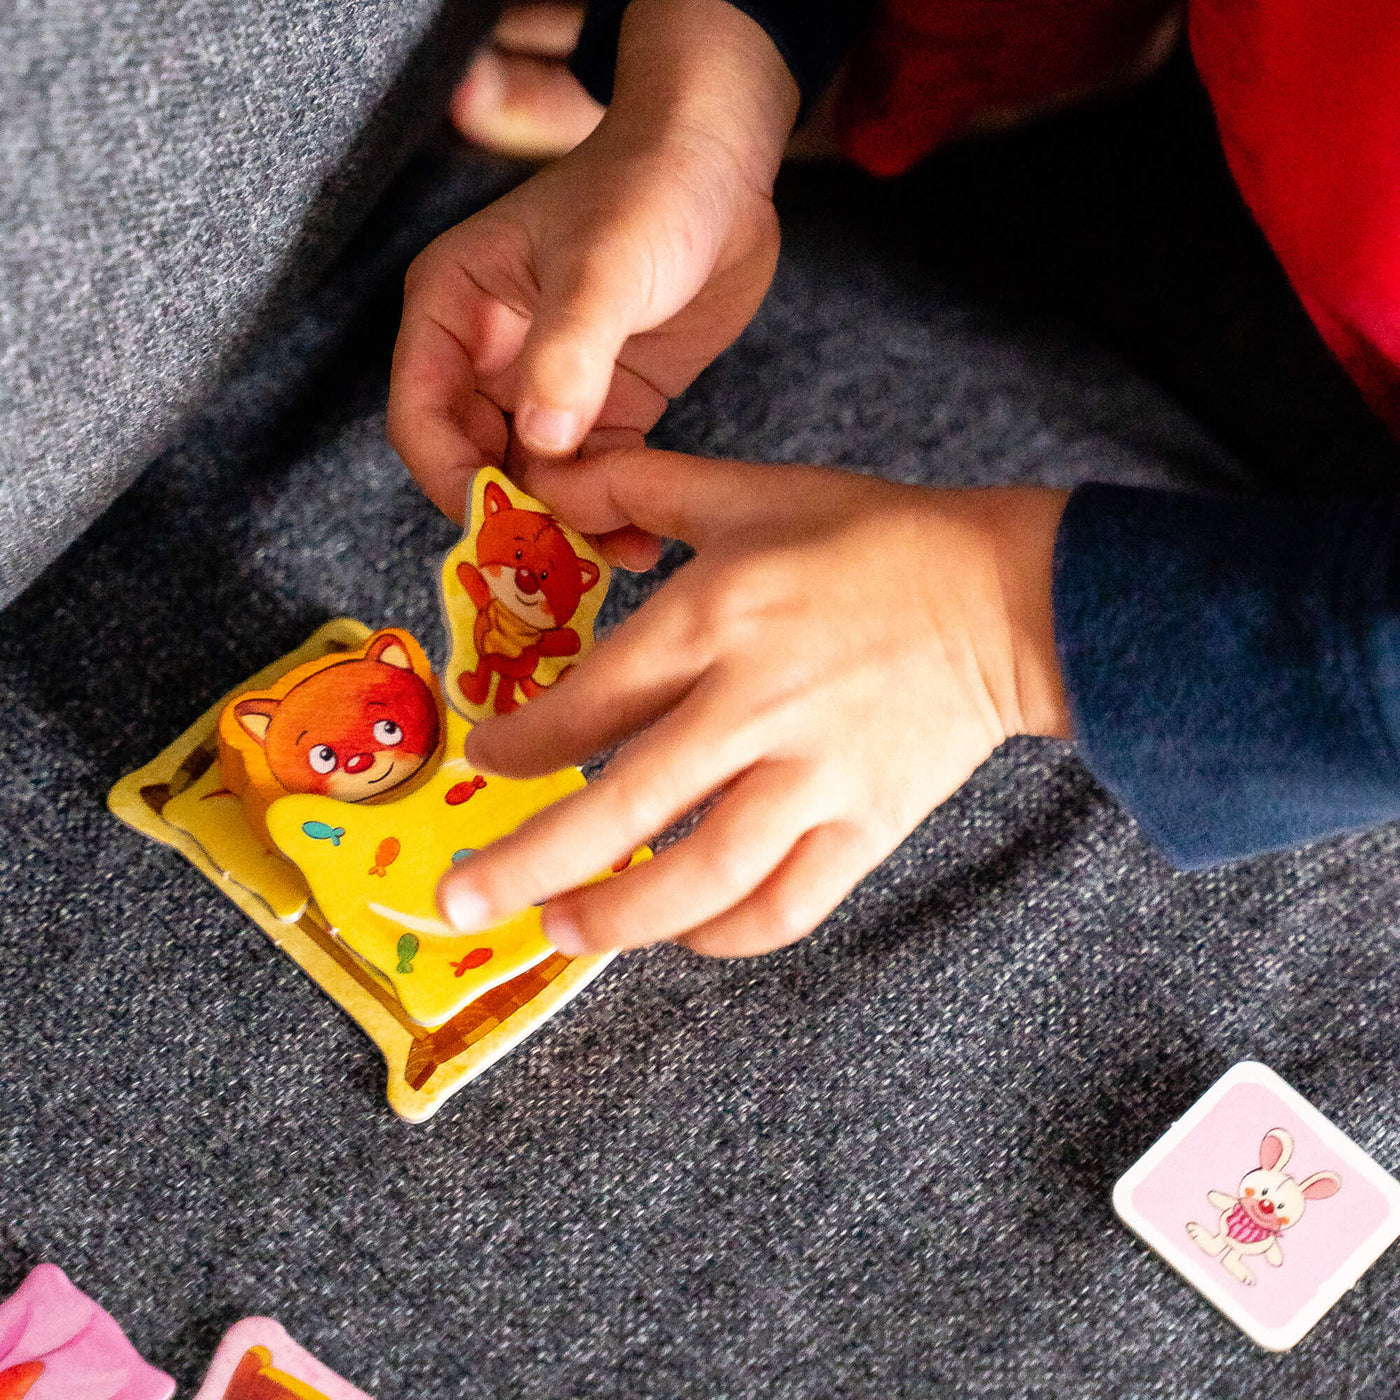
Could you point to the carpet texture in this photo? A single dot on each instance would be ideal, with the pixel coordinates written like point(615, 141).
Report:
point(877, 1164)
point(171, 175)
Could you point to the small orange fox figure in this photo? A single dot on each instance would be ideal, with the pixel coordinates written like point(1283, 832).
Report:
point(351, 730)
point(527, 583)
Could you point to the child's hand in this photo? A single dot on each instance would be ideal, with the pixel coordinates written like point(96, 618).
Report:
point(837, 659)
point(584, 299)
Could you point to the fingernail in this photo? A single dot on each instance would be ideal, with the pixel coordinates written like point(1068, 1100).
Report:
point(547, 429)
point(562, 932)
point(462, 907)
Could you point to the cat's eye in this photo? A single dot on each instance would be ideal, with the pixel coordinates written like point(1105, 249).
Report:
point(322, 758)
point(388, 733)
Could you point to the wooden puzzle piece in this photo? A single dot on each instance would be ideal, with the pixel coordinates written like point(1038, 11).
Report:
point(520, 594)
point(374, 871)
point(355, 726)
point(257, 1360)
point(1304, 1213)
point(57, 1344)
point(426, 1065)
point(214, 817)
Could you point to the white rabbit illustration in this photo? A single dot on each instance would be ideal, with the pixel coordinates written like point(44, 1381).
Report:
point(1269, 1202)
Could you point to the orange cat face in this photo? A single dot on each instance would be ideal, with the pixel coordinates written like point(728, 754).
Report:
point(352, 730)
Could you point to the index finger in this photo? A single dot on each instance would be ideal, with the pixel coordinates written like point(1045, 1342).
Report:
point(439, 420)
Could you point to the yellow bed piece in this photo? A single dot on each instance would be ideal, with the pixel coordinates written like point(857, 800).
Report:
point(433, 1041)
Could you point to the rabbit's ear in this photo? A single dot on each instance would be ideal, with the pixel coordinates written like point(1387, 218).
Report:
point(1276, 1149)
point(1320, 1185)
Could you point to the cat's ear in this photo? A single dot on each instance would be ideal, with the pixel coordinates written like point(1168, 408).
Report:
point(256, 716)
point(388, 647)
point(589, 575)
point(495, 498)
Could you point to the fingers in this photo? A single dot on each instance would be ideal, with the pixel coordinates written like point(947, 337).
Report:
point(733, 850)
point(587, 310)
point(658, 777)
point(625, 548)
point(815, 877)
point(644, 668)
point(629, 548)
point(665, 493)
point(439, 421)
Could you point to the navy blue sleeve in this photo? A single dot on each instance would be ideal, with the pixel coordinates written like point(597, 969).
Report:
point(813, 37)
point(1233, 665)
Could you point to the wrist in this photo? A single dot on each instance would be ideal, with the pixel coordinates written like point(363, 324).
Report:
point(1025, 522)
point(702, 74)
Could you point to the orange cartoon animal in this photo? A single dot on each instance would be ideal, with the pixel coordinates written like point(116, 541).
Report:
point(349, 727)
point(527, 583)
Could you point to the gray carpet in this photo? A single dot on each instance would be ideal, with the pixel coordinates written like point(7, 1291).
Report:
point(875, 1165)
point(172, 172)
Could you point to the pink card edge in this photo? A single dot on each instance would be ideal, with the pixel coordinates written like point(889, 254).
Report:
point(45, 1267)
point(1348, 1272)
point(287, 1354)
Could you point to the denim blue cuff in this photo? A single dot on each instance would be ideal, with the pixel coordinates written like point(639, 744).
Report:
point(1233, 665)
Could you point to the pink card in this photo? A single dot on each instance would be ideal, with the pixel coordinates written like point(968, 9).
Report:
point(57, 1344)
point(257, 1360)
point(1261, 1204)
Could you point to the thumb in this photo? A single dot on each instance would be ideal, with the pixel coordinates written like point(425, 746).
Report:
point(569, 355)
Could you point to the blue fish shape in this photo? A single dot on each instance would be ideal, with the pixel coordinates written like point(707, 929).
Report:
point(323, 831)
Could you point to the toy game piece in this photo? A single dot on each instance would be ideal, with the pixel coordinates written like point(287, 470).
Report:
point(57, 1344)
point(374, 870)
point(520, 594)
point(426, 1064)
point(1261, 1204)
point(355, 727)
point(214, 816)
point(257, 1360)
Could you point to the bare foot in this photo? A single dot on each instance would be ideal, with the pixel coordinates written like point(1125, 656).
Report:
point(518, 98)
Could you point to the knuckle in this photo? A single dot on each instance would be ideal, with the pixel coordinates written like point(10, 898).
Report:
point(600, 923)
point(787, 917)
point(420, 271)
point(710, 945)
point(637, 808)
point(730, 867)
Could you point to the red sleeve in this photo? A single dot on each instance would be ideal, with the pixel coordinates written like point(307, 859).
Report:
point(1307, 98)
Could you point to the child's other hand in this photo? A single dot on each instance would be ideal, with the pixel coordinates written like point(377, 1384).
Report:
point(583, 300)
point(837, 659)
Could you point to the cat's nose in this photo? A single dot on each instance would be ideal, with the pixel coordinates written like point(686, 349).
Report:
point(359, 763)
point(1267, 1207)
point(526, 581)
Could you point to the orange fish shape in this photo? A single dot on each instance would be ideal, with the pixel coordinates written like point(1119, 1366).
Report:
point(385, 856)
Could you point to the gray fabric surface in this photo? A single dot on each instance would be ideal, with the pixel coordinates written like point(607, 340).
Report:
point(170, 175)
point(877, 1164)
